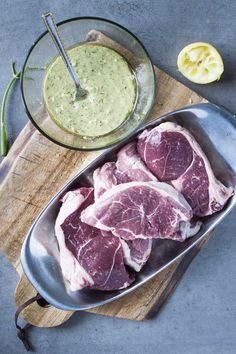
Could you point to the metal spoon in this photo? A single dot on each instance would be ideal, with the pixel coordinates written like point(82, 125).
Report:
point(53, 31)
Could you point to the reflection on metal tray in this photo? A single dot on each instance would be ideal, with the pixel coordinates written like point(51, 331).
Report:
point(215, 130)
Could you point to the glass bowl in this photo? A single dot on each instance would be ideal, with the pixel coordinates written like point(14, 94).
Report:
point(75, 31)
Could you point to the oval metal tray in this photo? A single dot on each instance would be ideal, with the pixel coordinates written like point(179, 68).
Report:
point(215, 130)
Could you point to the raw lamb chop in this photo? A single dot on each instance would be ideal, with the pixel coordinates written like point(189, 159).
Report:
point(128, 167)
point(136, 252)
point(104, 178)
point(142, 210)
point(88, 256)
point(173, 155)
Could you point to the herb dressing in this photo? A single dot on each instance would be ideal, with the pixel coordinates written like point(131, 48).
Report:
point(111, 87)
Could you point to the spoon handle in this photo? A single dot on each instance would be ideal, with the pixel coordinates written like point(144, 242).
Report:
point(53, 31)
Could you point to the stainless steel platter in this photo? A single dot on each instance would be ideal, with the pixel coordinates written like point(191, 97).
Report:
point(215, 130)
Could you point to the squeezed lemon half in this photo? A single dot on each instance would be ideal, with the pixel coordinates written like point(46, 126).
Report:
point(200, 63)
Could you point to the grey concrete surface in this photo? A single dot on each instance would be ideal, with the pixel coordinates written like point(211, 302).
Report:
point(200, 317)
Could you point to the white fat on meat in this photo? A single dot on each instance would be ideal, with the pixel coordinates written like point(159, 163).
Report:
point(142, 210)
point(128, 167)
point(131, 167)
point(89, 257)
point(104, 178)
point(72, 271)
point(136, 252)
point(174, 156)
point(218, 193)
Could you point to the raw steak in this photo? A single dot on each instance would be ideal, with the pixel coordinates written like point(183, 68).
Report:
point(104, 178)
point(142, 210)
point(136, 252)
point(173, 155)
point(88, 257)
point(129, 167)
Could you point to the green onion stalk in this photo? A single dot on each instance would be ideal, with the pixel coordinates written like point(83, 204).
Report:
point(4, 145)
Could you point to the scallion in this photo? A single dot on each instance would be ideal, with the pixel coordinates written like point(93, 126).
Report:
point(4, 143)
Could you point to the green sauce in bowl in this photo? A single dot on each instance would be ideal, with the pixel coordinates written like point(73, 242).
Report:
point(111, 86)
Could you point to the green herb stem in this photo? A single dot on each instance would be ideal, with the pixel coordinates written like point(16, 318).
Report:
point(15, 76)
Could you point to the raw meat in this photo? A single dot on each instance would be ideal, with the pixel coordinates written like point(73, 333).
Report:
point(173, 155)
point(142, 210)
point(136, 252)
point(88, 257)
point(129, 167)
point(104, 178)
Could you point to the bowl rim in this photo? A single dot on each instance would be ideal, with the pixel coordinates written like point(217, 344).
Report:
point(102, 19)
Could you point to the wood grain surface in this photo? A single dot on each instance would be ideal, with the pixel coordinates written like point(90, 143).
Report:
point(35, 169)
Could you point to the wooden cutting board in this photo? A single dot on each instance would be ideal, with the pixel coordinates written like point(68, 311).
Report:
point(35, 169)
